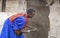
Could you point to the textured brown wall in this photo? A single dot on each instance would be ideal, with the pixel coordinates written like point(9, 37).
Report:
point(40, 20)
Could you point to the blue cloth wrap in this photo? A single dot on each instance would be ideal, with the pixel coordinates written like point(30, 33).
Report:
point(9, 27)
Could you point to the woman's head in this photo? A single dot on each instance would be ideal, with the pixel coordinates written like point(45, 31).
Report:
point(30, 13)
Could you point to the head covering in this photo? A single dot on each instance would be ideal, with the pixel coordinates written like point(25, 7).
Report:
point(15, 22)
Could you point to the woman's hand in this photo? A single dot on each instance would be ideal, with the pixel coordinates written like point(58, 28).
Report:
point(17, 32)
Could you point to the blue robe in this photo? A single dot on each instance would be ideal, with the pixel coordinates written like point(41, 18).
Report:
point(9, 27)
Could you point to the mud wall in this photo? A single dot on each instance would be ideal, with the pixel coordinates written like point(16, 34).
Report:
point(40, 20)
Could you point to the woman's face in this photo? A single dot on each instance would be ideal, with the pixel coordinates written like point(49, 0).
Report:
point(30, 15)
